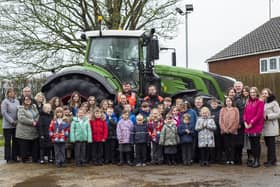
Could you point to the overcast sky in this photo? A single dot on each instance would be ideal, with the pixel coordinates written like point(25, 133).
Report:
point(215, 24)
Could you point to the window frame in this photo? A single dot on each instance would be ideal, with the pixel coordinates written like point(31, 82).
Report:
point(268, 64)
point(276, 64)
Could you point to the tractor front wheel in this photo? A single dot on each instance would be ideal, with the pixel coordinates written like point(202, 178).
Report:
point(64, 87)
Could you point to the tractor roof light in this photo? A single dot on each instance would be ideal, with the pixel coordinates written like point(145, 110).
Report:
point(99, 18)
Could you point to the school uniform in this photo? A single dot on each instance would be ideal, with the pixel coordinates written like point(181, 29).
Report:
point(140, 137)
point(111, 144)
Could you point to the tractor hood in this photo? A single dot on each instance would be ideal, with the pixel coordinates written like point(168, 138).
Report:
point(176, 79)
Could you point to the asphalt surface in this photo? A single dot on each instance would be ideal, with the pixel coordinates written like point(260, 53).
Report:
point(47, 175)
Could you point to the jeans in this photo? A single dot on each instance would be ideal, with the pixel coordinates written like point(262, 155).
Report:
point(204, 154)
point(46, 151)
point(111, 147)
point(271, 148)
point(89, 152)
point(157, 152)
point(187, 152)
point(80, 152)
point(10, 146)
point(29, 146)
point(141, 153)
point(229, 146)
point(124, 155)
point(59, 152)
point(255, 146)
point(238, 154)
point(97, 152)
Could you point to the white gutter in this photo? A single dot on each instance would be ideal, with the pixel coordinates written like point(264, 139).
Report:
point(238, 56)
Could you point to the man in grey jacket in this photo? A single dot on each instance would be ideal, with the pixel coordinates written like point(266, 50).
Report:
point(26, 91)
point(9, 108)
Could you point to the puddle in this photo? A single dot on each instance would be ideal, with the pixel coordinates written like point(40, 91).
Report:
point(212, 183)
point(42, 181)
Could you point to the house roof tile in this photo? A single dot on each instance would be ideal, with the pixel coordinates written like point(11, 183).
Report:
point(265, 38)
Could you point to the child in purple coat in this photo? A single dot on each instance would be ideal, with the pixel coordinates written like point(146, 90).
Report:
point(124, 130)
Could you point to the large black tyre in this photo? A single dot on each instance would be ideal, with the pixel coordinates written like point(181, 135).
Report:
point(64, 87)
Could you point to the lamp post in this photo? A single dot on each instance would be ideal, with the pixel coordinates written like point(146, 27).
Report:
point(189, 9)
point(269, 10)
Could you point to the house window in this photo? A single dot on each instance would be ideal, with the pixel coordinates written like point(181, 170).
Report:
point(273, 64)
point(263, 66)
point(270, 64)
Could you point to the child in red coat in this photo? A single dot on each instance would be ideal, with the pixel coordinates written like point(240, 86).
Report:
point(155, 124)
point(99, 136)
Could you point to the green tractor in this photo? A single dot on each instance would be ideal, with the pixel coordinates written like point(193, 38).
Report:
point(117, 56)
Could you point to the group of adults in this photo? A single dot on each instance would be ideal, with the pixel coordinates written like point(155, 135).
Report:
point(19, 118)
point(259, 114)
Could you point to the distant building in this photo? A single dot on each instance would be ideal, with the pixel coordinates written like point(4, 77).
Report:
point(256, 53)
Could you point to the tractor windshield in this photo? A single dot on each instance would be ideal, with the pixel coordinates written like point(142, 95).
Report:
point(120, 56)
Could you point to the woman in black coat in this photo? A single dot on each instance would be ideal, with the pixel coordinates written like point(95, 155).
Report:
point(43, 127)
point(240, 101)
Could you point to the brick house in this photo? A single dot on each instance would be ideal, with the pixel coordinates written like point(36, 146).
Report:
point(256, 53)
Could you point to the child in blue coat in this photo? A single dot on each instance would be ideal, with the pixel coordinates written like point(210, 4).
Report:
point(140, 137)
point(186, 132)
point(111, 145)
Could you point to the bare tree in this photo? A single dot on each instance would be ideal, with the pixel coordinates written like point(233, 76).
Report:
point(43, 35)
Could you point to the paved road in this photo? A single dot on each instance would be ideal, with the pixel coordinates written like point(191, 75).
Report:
point(35, 175)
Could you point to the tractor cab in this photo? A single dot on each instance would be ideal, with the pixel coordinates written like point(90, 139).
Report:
point(127, 55)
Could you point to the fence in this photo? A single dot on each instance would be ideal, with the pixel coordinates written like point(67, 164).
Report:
point(263, 81)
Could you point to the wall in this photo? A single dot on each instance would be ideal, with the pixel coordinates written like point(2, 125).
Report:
point(248, 65)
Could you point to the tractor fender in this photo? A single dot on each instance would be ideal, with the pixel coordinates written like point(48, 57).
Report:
point(91, 74)
point(187, 95)
point(190, 95)
point(191, 92)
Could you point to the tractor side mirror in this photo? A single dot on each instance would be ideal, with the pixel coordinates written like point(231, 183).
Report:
point(153, 49)
point(173, 58)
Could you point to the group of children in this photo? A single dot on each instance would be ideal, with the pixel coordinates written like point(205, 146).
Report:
point(155, 134)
